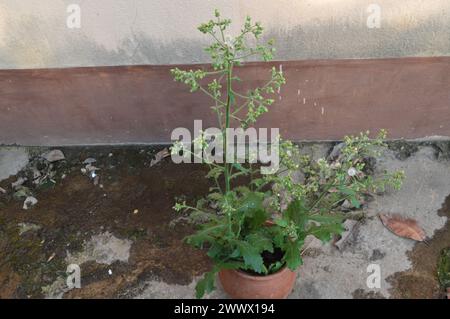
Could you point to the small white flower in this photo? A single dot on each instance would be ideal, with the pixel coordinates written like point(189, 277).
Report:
point(352, 171)
point(200, 141)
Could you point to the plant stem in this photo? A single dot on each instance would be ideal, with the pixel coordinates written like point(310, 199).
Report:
point(227, 125)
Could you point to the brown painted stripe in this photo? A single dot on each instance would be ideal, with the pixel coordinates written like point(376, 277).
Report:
point(322, 100)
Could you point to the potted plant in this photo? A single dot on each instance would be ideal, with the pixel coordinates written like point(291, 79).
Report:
point(254, 229)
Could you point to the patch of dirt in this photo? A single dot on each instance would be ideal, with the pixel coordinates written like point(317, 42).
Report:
point(135, 202)
point(421, 281)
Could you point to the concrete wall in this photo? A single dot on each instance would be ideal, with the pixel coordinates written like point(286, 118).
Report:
point(322, 100)
point(33, 34)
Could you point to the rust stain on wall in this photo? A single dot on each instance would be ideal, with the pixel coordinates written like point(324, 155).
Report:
point(322, 100)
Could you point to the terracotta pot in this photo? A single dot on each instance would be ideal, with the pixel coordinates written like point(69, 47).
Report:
point(240, 285)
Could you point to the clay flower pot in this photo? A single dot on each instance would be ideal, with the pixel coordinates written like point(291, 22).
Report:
point(240, 285)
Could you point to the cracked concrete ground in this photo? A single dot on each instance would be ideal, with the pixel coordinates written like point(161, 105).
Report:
point(338, 274)
point(12, 160)
point(334, 273)
point(327, 272)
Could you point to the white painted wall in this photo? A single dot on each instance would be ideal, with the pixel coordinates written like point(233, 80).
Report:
point(33, 34)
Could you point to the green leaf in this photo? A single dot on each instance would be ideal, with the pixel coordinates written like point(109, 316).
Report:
point(296, 212)
point(215, 172)
point(242, 190)
point(214, 251)
point(273, 268)
point(356, 203)
point(281, 222)
point(327, 218)
point(215, 196)
point(292, 254)
point(205, 235)
point(240, 168)
point(444, 268)
point(346, 190)
point(352, 195)
point(252, 257)
point(235, 254)
point(236, 175)
point(251, 201)
point(232, 98)
point(256, 218)
point(260, 242)
point(206, 284)
point(324, 232)
point(279, 239)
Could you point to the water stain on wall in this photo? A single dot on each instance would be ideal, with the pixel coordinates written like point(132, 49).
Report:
point(38, 41)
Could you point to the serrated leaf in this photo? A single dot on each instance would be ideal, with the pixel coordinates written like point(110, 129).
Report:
point(205, 235)
point(252, 257)
point(251, 207)
point(292, 254)
point(260, 242)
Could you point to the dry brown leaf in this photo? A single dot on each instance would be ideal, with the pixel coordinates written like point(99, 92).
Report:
point(159, 156)
point(403, 227)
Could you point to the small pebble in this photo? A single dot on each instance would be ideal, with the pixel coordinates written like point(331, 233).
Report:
point(29, 201)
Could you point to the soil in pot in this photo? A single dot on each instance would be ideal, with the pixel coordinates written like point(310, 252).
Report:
point(239, 284)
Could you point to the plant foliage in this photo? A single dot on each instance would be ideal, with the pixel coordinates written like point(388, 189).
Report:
point(239, 224)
